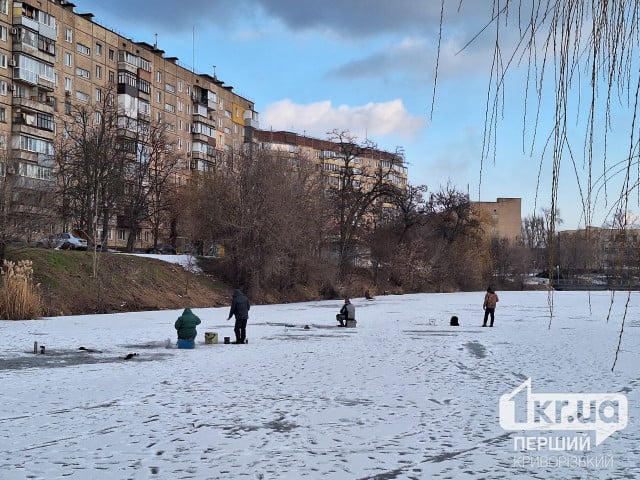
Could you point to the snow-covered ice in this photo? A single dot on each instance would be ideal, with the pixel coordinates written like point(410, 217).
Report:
point(402, 396)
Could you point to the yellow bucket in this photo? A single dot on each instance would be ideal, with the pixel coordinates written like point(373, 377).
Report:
point(210, 338)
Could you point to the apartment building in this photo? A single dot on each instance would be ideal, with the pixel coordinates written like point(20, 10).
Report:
point(52, 57)
point(329, 157)
point(502, 219)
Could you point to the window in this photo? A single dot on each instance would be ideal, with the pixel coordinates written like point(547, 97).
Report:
point(170, 88)
point(3, 33)
point(3, 87)
point(98, 48)
point(68, 35)
point(68, 59)
point(83, 49)
point(3, 115)
point(180, 124)
point(3, 60)
point(144, 86)
point(127, 78)
point(159, 97)
point(46, 45)
point(180, 104)
point(121, 234)
point(112, 54)
point(144, 64)
point(144, 108)
point(98, 95)
point(67, 84)
point(81, 72)
point(159, 76)
point(83, 97)
point(179, 144)
point(35, 171)
point(98, 71)
point(112, 76)
point(4, 6)
point(180, 85)
point(98, 118)
point(169, 108)
point(45, 121)
point(36, 145)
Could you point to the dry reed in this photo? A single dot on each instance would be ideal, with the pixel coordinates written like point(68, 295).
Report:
point(19, 295)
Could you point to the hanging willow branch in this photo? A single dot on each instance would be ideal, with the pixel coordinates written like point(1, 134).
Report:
point(584, 55)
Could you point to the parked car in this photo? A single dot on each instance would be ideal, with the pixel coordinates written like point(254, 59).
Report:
point(162, 249)
point(68, 241)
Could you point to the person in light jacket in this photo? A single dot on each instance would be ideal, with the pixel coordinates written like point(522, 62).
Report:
point(347, 312)
point(186, 325)
point(240, 308)
point(489, 305)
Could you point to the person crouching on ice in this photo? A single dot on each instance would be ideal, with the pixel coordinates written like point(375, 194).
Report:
point(186, 328)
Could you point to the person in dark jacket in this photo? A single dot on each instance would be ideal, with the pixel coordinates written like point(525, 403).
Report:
point(186, 325)
point(240, 308)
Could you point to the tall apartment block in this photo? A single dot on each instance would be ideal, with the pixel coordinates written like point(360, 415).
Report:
point(52, 56)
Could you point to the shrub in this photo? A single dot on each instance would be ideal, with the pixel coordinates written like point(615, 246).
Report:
point(19, 296)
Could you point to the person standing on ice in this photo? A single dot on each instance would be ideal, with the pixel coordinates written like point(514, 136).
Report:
point(489, 305)
point(240, 308)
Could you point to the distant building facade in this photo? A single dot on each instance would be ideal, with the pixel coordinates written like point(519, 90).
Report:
point(501, 219)
point(327, 155)
point(52, 58)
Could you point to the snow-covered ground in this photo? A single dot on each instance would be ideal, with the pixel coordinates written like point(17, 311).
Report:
point(402, 396)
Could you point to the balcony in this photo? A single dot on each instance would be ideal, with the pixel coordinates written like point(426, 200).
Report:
point(46, 83)
point(27, 22)
point(33, 103)
point(251, 119)
point(19, 127)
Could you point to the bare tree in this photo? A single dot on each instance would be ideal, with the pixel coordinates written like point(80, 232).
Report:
point(25, 203)
point(91, 158)
point(358, 189)
point(268, 214)
point(150, 179)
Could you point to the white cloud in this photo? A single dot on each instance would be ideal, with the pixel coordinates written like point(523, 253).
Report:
point(318, 118)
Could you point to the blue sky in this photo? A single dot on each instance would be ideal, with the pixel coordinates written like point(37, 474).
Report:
point(368, 66)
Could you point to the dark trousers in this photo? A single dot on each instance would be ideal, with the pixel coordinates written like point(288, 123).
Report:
point(487, 312)
point(342, 318)
point(240, 330)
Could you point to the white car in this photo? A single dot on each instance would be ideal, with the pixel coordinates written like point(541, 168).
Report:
point(64, 241)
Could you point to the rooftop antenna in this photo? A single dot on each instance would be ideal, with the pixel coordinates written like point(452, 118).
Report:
point(155, 45)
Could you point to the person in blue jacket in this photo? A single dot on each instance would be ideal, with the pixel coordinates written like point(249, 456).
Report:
point(240, 308)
